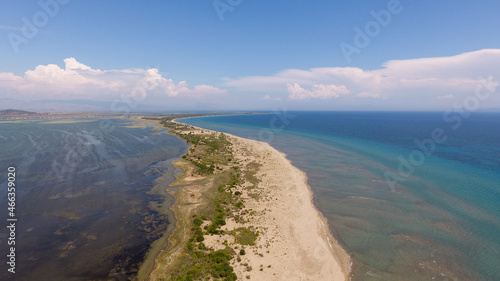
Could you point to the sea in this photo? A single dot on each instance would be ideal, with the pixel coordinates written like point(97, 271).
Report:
point(89, 199)
point(409, 195)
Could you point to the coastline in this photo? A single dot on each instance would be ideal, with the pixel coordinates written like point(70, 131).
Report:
point(308, 250)
point(294, 241)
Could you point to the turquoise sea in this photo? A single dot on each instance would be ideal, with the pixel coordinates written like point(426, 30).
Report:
point(87, 205)
point(410, 196)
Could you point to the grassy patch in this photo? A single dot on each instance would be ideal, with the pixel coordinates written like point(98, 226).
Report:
point(251, 171)
point(245, 236)
point(254, 195)
point(213, 264)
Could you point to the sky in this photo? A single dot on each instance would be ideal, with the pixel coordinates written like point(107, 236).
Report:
point(250, 55)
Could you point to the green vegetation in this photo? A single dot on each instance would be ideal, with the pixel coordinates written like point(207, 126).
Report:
point(214, 264)
point(211, 156)
point(250, 174)
point(197, 221)
point(245, 236)
point(207, 152)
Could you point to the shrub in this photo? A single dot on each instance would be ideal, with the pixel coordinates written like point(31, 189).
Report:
point(197, 221)
point(219, 256)
point(245, 236)
point(202, 246)
point(200, 238)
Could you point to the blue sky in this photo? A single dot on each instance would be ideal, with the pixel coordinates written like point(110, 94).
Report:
point(186, 40)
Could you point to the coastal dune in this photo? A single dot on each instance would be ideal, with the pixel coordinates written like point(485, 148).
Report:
point(294, 241)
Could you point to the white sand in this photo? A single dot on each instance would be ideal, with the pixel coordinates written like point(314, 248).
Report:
point(294, 241)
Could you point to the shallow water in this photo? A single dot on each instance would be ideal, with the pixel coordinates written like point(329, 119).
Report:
point(442, 222)
point(84, 200)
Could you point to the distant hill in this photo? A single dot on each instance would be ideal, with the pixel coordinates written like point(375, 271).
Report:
point(13, 112)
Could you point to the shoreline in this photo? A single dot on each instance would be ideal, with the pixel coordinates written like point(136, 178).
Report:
point(306, 249)
point(342, 259)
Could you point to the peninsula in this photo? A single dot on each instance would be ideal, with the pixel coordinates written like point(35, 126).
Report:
point(243, 211)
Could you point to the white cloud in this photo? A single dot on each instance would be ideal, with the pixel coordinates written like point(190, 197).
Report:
point(318, 91)
point(269, 98)
point(79, 81)
point(201, 90)
point(368, 95)
point(412, 82)
point(425, 83)
point(71, 63)
point(445, 97)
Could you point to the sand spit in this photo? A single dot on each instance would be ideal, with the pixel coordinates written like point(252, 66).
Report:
point(293, 242)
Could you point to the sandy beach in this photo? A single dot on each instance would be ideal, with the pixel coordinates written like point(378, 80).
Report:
point(294, 242)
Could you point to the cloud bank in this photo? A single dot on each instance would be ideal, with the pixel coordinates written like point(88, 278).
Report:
point(318, 91)
point(404, 83)
point(412, 84)
point(79, 81)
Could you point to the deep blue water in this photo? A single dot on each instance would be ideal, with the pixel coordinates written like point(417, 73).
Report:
point(410, 196)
